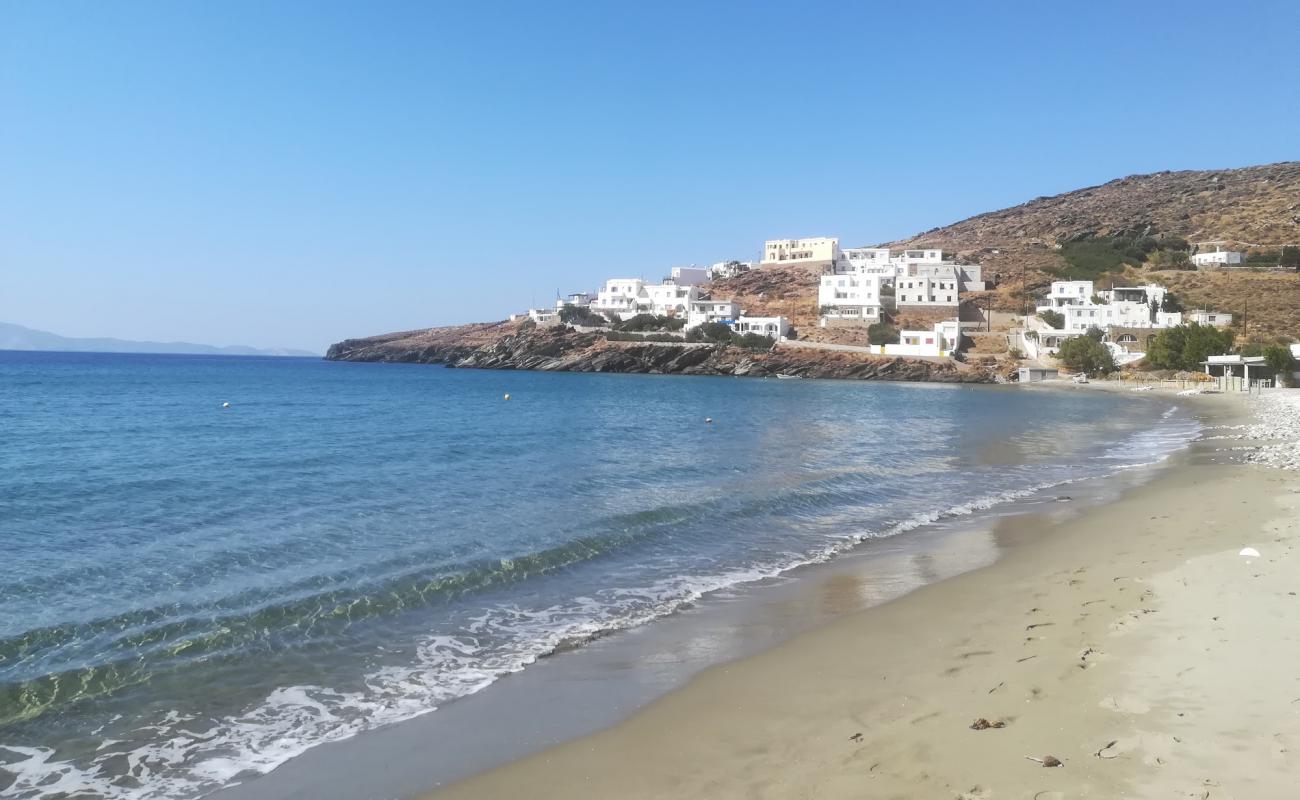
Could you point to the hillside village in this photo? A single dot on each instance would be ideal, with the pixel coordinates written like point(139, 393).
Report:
point(1084, 282)
point(865, 290)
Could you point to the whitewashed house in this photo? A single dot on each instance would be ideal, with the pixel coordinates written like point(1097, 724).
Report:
point(729, 269)
point(1067, 293)
point(624, 298)
point(939, 289)
point(906, 258)
point(940, 341)
point(1217, 319)
point(665, 299)
point(703, 311)
point(1219, 257)
point(688, 276)
point(851, 297)
point(776, 327)
point(617, 299)
point(970, 277)
point(1122, 306)
point(867, 261)
point(544, 317)
point(1138, 307)
point(575, 299)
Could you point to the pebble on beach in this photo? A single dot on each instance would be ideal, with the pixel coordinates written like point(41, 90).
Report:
point(1277, 424)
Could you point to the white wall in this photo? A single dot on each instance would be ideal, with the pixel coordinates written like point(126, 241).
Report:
point(925, 290)
point(1218, 258)
point(689, 276)
point(776, 327)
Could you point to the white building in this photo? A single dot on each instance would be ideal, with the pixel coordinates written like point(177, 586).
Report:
point(1123, 306)
point(819, 251)
point(688, 276)
point(970, 277)
point(665, 299)
point(939, 289)
point(942, 340)
point(867, 261)
point(729, 269)
point(542, 316)
point(702, 311)
point(575, 299)
point(1138, 307)
point(852, 296)
point(776, 327)
point(908, 257)
point(618, 297)
point(1216, 318)
point(1218, 257)
point(1067, 293)
point(627, 297)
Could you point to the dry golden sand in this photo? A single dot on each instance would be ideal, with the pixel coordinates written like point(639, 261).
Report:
point(1132, 643)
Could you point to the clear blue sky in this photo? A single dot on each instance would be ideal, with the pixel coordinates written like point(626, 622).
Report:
point(293, 173)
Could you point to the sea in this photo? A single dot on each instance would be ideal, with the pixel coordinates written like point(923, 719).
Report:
point(210, 565)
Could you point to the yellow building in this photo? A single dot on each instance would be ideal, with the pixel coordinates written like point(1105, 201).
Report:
point(822, 250)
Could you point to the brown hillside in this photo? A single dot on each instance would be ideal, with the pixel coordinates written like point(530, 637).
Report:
point(1251, 207)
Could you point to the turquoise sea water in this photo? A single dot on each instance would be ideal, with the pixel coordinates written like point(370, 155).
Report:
point(193, 594)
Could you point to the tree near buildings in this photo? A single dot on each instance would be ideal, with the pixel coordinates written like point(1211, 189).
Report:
point(1086, 354)
point(1186, 346)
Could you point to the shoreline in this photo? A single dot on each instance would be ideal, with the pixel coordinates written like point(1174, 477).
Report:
point(909, 676)
point(576, 691)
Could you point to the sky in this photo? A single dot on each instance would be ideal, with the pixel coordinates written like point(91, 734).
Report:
point(294, 173)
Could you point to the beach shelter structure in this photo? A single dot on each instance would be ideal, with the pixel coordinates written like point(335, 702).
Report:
point(1238, 371)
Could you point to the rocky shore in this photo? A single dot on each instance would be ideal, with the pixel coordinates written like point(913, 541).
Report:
point(560, 349)
point(1276, 431)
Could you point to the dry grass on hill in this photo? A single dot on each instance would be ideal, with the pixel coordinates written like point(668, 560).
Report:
point(1272, 299)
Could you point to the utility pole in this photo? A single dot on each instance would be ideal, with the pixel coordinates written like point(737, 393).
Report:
point(1024, 290)
point(1245, 311)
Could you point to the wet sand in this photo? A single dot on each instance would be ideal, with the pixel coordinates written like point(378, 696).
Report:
point(1131, 642)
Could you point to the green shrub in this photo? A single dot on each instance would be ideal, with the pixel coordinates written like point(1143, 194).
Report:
point(882, 333)
point(1054, 318)
point(752, 341)
point(1087, 355)
point(709, 332)
point(1279, 359)
point(1091, 258)
point(578, 315)
point(651, 322)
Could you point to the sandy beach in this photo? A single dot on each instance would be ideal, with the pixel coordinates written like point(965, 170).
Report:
point(1132, 643)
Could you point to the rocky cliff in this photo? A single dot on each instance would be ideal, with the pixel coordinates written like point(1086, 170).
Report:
point(559, 349)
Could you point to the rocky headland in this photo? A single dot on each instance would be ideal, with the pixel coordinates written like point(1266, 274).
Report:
point(560, 349)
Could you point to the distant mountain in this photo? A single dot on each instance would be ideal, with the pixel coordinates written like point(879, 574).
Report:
point(17, 337)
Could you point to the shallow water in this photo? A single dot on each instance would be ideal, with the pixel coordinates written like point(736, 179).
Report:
point(193, 594)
